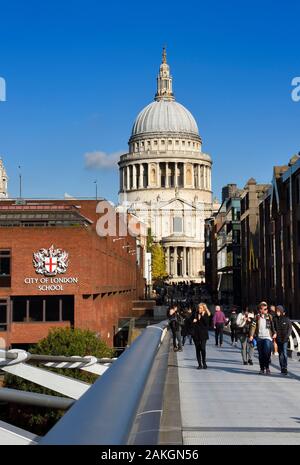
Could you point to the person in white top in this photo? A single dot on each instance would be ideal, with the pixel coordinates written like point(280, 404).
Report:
point(243, 323)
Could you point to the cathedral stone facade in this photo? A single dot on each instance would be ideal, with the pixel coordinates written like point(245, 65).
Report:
point(165, 179)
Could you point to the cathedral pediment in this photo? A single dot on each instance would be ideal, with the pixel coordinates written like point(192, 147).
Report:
point(177, 204)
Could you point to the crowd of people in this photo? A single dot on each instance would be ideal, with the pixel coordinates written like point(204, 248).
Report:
point(268, 329)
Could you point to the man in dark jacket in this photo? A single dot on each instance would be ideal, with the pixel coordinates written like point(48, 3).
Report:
point(283, 328)
point(233, 326)
point(174, 323)
point(186, 330)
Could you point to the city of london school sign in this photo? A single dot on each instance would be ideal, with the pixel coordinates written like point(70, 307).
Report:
point(50, 264)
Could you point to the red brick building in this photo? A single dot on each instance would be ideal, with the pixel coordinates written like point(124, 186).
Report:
point(85, 280)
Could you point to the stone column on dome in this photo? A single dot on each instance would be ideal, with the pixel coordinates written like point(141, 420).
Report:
point(176, 175)
point(134, 184)
point(193, 176)
point(184, 174)
point(205, 177)
point(141, 176)
point(149, 174)
point(167, 175)
point(121, 179)
point(158, 175)
point(128, 177)
point(199, 176)
point(209, 178)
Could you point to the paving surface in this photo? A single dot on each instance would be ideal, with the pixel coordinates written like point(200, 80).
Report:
point(230, 403)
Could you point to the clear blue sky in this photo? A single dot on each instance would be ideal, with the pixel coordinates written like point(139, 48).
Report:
point(78, 72)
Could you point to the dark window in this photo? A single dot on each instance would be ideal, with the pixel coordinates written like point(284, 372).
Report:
point(180, 174)
point(5, 268)
point(3, 314)
point(298, 232)
point(52, 308)
point(57, 308)
point(236, 214)
point(236, 236)
point(36, 309)
point(299, 275)
point(19, 308)
point(68, 308)
point(288, 197)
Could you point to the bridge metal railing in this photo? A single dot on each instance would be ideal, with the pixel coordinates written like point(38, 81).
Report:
point(106, 412)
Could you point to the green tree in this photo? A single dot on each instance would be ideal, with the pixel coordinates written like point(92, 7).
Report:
point(150, 240)
point(60, 341)
point(158, 263)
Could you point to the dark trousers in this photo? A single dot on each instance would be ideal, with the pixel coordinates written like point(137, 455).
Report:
point(233, 334)
point(219, 333)
point(189, 338)
point(176, 337)
point(283, 355)
point(264, 347)
point(201, 352)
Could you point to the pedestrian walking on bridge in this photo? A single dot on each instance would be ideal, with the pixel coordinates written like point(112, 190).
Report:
point(219, 321)
point(233, 327)
point(283, 328)
point(175, 326)
point(200, 328)
point(244, 322)
point(263, 328)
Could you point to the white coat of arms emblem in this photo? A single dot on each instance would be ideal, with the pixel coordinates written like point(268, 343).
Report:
point(50, 262)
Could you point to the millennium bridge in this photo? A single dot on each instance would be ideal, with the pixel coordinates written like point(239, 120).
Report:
point(151, 395)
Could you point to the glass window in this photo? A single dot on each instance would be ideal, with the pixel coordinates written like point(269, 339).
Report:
point(5, 266)
point(19, 308)
point(3, 314)
point(36, 308)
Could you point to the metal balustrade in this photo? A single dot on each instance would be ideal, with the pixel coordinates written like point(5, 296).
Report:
point(106, 411)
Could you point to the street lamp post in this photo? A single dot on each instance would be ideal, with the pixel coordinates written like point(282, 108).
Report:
point(96, 185)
